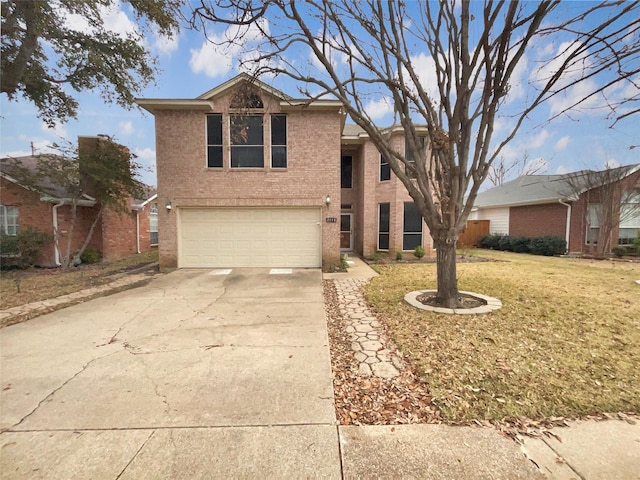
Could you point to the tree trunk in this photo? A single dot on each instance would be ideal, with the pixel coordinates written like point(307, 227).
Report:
point(445, 245)
point(76, 258)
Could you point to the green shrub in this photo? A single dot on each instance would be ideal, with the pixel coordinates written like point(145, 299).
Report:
point(505, 243)
point(22, 250)
point(619, 252)
point(636, 243)
point(419, 251)
point(399, 255)
point(521, 244)
point(91, 255)
point(491, 241)
point(548, 245)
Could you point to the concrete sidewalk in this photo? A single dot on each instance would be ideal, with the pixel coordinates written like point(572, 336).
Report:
point(202, 374)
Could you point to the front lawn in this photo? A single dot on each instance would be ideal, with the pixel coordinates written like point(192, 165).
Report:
point(19, 287)
point(565, 344)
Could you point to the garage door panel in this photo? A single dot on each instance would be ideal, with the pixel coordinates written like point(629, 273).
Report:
point(245, 237)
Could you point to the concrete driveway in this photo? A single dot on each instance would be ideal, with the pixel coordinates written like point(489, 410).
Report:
point(198, 374)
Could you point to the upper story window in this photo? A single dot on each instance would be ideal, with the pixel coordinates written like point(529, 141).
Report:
point(247, 141)
point(278, 141)
point(409, 155)
point(214, 141)
point(244, 142)
point(385, 169)
point(153, 224)
point(346, 171)
point(8, 220)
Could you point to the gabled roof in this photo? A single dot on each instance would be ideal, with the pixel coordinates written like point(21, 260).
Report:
point(205, 102)
point(243, 78)
point(540, 189)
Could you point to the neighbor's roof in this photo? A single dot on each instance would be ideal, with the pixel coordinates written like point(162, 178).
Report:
point(540, 189)
point(14, 168)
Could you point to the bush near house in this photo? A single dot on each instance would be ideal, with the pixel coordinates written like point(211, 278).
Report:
point(23, 249)
point(548, 245)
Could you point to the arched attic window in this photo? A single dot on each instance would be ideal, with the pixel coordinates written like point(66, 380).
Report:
point(246, 98)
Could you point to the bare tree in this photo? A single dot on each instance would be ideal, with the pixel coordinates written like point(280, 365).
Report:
point(611, 198)
point(503, 169)
point(370, 49)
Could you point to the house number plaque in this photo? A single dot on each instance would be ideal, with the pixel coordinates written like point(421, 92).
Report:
point(331, 219)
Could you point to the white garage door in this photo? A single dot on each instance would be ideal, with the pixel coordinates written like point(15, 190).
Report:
point(249, 237)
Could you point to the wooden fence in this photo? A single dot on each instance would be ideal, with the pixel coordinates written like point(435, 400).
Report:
point(472, 233)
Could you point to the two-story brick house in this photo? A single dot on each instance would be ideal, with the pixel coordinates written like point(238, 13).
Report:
point(248, 176)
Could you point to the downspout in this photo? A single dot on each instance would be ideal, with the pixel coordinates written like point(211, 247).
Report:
point(568, 228)
point(138, 231)
point(56, 251)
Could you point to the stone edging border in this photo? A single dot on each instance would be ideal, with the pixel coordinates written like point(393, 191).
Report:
point(492, 304)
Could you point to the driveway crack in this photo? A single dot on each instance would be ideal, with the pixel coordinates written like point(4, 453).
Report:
point(56, 390)
point(136, 454)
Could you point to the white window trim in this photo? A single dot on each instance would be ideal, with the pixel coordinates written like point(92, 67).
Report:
point(4, 228)
point(153, 207)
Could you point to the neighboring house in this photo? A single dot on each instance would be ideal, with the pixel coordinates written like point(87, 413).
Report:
point(47, 207)
point(248, 176)
point(566, 206)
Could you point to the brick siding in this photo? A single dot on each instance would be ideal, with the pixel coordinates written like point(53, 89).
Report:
point(312, 173)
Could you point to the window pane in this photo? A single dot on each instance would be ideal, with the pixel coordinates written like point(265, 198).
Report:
point(346, 168)
point(411, 240)
point(214, 129)
point(251, 157)
point(214, 157)
point(385, 169)
point(626, 236)
point(412, 231)
point(153, 224)
point(246, 130)
point(383, 241)
point(278, 130)
point(383, 224)
point(279, 157)
point(8, 220)
point(412, 218)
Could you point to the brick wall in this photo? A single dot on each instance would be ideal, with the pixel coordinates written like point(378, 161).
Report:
point(39, 216)
point(313, 172)
point(394, 192)
point(538, 220)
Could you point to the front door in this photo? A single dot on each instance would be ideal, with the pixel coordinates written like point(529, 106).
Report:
point(346, 231)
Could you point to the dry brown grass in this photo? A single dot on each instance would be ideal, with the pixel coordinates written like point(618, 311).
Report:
point(565, 343)
point(19, 287)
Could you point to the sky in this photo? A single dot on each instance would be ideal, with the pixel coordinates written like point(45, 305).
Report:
point(190, 66)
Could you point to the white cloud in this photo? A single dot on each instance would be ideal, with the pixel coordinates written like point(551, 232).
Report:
point(58, 130)
point(562, 143)
point(147, 160)
point(425, 68)
point(126, 128)
point(217, 55)
point(561, 170)
point(165, 45)
point(211, 59)
point(538, 140)
point(377, 109)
